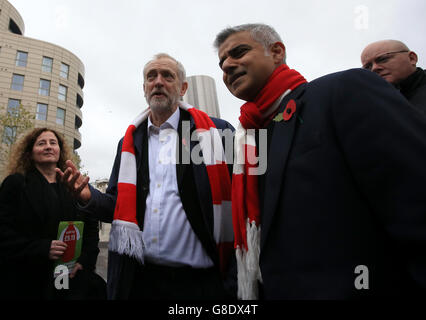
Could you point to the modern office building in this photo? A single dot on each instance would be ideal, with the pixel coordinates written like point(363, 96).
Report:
point(45, 79)
point(202, 94)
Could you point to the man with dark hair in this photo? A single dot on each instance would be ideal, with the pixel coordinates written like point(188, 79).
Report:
point(396, 63)
point(341, 211)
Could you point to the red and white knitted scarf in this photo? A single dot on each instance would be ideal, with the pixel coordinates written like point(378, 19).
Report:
point(245, 197)
point(126, 237)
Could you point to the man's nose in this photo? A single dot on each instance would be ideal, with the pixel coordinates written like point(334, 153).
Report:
point(376, 67)
point(159, 81)
point(228, 65)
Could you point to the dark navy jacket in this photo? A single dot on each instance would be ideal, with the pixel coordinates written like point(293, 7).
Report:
point(345, 187)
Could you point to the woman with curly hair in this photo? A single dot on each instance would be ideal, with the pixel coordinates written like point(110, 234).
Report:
point(32, 203)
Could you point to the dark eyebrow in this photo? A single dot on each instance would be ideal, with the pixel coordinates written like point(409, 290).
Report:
point(234, 52)
point(150, 72)
point(383, 57)
point(165, 72)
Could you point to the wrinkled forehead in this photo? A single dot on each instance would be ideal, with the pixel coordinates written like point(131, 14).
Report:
point(377, 49)
point(160, 65)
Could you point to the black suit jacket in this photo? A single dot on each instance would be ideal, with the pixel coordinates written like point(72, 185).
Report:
point(194, 190)
point(30, 212)
point(345, 187)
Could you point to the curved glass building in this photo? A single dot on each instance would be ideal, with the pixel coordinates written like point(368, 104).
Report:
point(46, 79)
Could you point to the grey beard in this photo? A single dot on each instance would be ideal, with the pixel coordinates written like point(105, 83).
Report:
point(162, 105)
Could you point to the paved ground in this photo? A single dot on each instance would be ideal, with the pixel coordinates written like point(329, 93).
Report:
point(102, 263)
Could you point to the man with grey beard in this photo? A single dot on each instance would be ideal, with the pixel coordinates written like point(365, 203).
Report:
point(171, 235)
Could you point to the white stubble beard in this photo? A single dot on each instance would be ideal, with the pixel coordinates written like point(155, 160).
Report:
point(162, 105)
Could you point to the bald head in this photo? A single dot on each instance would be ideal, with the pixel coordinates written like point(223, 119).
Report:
point(391, 59)
point(388, 45)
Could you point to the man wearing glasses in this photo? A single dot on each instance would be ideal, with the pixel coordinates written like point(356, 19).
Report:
point(394, 62)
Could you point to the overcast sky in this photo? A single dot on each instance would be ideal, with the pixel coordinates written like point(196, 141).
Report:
point(114, 39)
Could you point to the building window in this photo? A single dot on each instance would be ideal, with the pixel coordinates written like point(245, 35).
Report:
point(62, 93)
point(60, 116)
point(80, 81)
point(41, 111)
point(13, 27)
point(64, 70)
point(9, 135)
point(17, 82)
point(46, 65)
point(21, 59)
point(79, 101)
point(44, 89)
point(13, 107)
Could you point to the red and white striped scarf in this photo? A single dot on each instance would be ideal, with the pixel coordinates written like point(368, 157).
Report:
point(126, 237)
point(245, 197)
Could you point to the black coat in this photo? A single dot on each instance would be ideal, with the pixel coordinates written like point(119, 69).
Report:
point(345, 187)
point(414, 88)
point(30, 212)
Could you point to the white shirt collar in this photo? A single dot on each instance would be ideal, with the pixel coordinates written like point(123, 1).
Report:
point(171, 122)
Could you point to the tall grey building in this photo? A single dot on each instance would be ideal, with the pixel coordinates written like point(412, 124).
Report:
point(202, 94)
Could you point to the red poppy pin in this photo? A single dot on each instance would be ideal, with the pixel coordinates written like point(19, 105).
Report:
point(289, 110)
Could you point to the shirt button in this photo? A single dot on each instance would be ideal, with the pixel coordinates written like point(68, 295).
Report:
point(159, 185)
point(155, 210)
point(154, 240)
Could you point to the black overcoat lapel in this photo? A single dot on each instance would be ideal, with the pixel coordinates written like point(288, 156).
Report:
point(195, 185)
point(35, 191)
point(139, 137)
point(278, 152)
point(182, 146)
point(140, 140)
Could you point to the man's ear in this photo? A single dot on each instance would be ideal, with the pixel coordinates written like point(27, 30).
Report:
point(413, 58)
point(278, 52)
point(183, 88)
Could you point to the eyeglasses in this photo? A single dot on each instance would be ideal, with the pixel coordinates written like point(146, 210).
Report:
point(382, 59)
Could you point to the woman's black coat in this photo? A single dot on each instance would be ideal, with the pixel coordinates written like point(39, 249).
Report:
point(30, 212)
